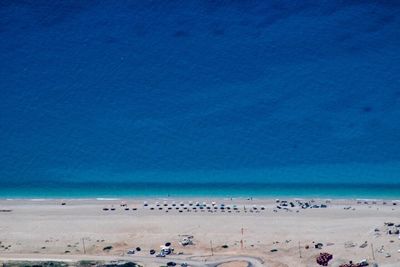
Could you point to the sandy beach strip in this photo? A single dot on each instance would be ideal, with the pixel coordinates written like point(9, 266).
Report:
point(280, 233)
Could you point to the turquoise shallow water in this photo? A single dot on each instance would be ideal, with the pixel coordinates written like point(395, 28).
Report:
point(135, 190)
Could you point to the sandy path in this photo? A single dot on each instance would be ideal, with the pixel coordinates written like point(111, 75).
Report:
point(148, 261)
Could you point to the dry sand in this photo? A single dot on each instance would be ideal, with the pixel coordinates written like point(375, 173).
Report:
point(46, 229)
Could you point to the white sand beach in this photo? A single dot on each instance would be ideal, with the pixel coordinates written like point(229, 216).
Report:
point(253, 232)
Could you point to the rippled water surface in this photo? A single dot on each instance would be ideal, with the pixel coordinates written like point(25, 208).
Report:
point(200, 91)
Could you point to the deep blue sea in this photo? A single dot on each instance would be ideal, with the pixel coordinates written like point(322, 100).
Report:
point(222, 97)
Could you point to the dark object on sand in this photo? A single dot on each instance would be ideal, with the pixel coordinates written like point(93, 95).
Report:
point(318, 246)
point(274, 250)
point(171, 263)
point(225, 246)
point(67, 251)
point(168, 244)
point(351, 264)
point(105, 209)
point(107, 248)
point(324, 258)
point(152, 251)
point(394, 232)
point(138, 249)
point(63, 204)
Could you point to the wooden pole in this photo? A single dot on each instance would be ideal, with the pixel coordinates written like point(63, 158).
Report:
point(299, 250)
point(83, 244)
point(373, 253)
point(241, 241)
point(212, 251)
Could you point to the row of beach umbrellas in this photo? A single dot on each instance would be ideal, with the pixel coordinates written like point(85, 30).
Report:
point(187, 206)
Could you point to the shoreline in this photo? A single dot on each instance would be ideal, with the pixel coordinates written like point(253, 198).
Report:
point(141, 199)
point(199, 190)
